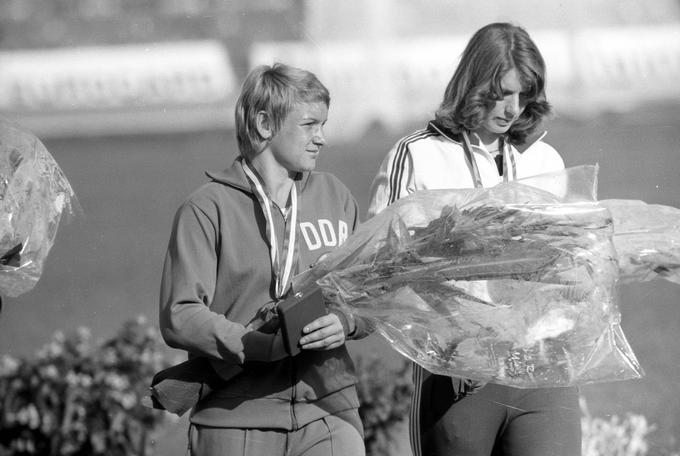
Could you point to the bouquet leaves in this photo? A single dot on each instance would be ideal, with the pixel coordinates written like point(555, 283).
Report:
point(515, 284)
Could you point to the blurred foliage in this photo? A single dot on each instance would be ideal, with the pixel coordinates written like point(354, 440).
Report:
point(78, 398)
point(385, 396)
point(614, 436)
point(618, 436)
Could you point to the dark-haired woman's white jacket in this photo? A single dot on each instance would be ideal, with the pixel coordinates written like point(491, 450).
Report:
point(430, 159)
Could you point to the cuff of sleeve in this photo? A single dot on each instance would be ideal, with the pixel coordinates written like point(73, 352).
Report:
point(259, 346)
point(348, 323)
point(362, 328)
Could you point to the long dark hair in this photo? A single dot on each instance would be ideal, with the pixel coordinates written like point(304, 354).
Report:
point(475, 86)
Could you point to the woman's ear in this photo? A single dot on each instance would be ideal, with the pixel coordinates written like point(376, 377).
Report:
point(264, 126)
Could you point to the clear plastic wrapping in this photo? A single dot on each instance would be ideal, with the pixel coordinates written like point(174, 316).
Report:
point(647, 240)
point(513, 285)
point(34, 193)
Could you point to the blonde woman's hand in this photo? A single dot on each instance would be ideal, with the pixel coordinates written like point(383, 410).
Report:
point(324, 333)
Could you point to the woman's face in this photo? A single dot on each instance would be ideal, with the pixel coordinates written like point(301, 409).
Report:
point(297, 144)
point(505, 111)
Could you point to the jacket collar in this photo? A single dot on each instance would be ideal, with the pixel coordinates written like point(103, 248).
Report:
point(532, 140)
point(234, 176)
point(435, 127)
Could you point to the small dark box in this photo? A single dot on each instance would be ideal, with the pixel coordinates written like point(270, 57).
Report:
point(295, 312)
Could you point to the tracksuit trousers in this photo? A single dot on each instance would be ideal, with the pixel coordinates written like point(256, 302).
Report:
point(328, 436)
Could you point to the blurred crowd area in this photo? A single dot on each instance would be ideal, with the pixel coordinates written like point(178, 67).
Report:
point(152, 66)
point(53, 23)
point(49, 24)
point(57, 23)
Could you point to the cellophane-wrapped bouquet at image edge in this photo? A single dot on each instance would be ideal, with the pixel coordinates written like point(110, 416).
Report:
point(34, 194)
point(515, 284)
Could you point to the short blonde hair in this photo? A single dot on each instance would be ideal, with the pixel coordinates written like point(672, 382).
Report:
point(275, 90)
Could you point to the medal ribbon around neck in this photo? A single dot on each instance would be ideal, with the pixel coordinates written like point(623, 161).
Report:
point(508, 161)
point(282, 276)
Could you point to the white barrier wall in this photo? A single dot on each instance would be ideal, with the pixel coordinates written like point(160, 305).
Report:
point(121, 89)
point(191, 85)
point(621, 67)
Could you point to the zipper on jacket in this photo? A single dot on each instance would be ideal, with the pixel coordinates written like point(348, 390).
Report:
point(293, 393)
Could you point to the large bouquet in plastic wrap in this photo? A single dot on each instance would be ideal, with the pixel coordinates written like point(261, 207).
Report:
point(33, 195)
point(514, 284)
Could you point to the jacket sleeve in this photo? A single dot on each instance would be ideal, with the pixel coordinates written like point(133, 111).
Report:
point(187, 288)
point(392, 180)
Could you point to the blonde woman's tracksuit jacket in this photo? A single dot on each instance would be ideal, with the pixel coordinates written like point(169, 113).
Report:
point(218, 274)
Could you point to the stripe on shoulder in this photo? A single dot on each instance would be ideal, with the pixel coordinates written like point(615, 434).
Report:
point(398, 164)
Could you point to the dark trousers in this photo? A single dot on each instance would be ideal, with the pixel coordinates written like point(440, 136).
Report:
point(328, 436)
point(499, 421)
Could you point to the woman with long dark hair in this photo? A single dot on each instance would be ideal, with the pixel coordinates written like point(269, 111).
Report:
point(485, 131)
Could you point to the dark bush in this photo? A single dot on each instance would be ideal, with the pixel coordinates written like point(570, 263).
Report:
point(76, 398)
point(385, 395)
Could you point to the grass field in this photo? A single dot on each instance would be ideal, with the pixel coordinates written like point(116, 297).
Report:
point(105, 265)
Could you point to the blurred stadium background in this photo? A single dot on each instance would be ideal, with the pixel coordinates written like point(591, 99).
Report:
point(134, 99)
